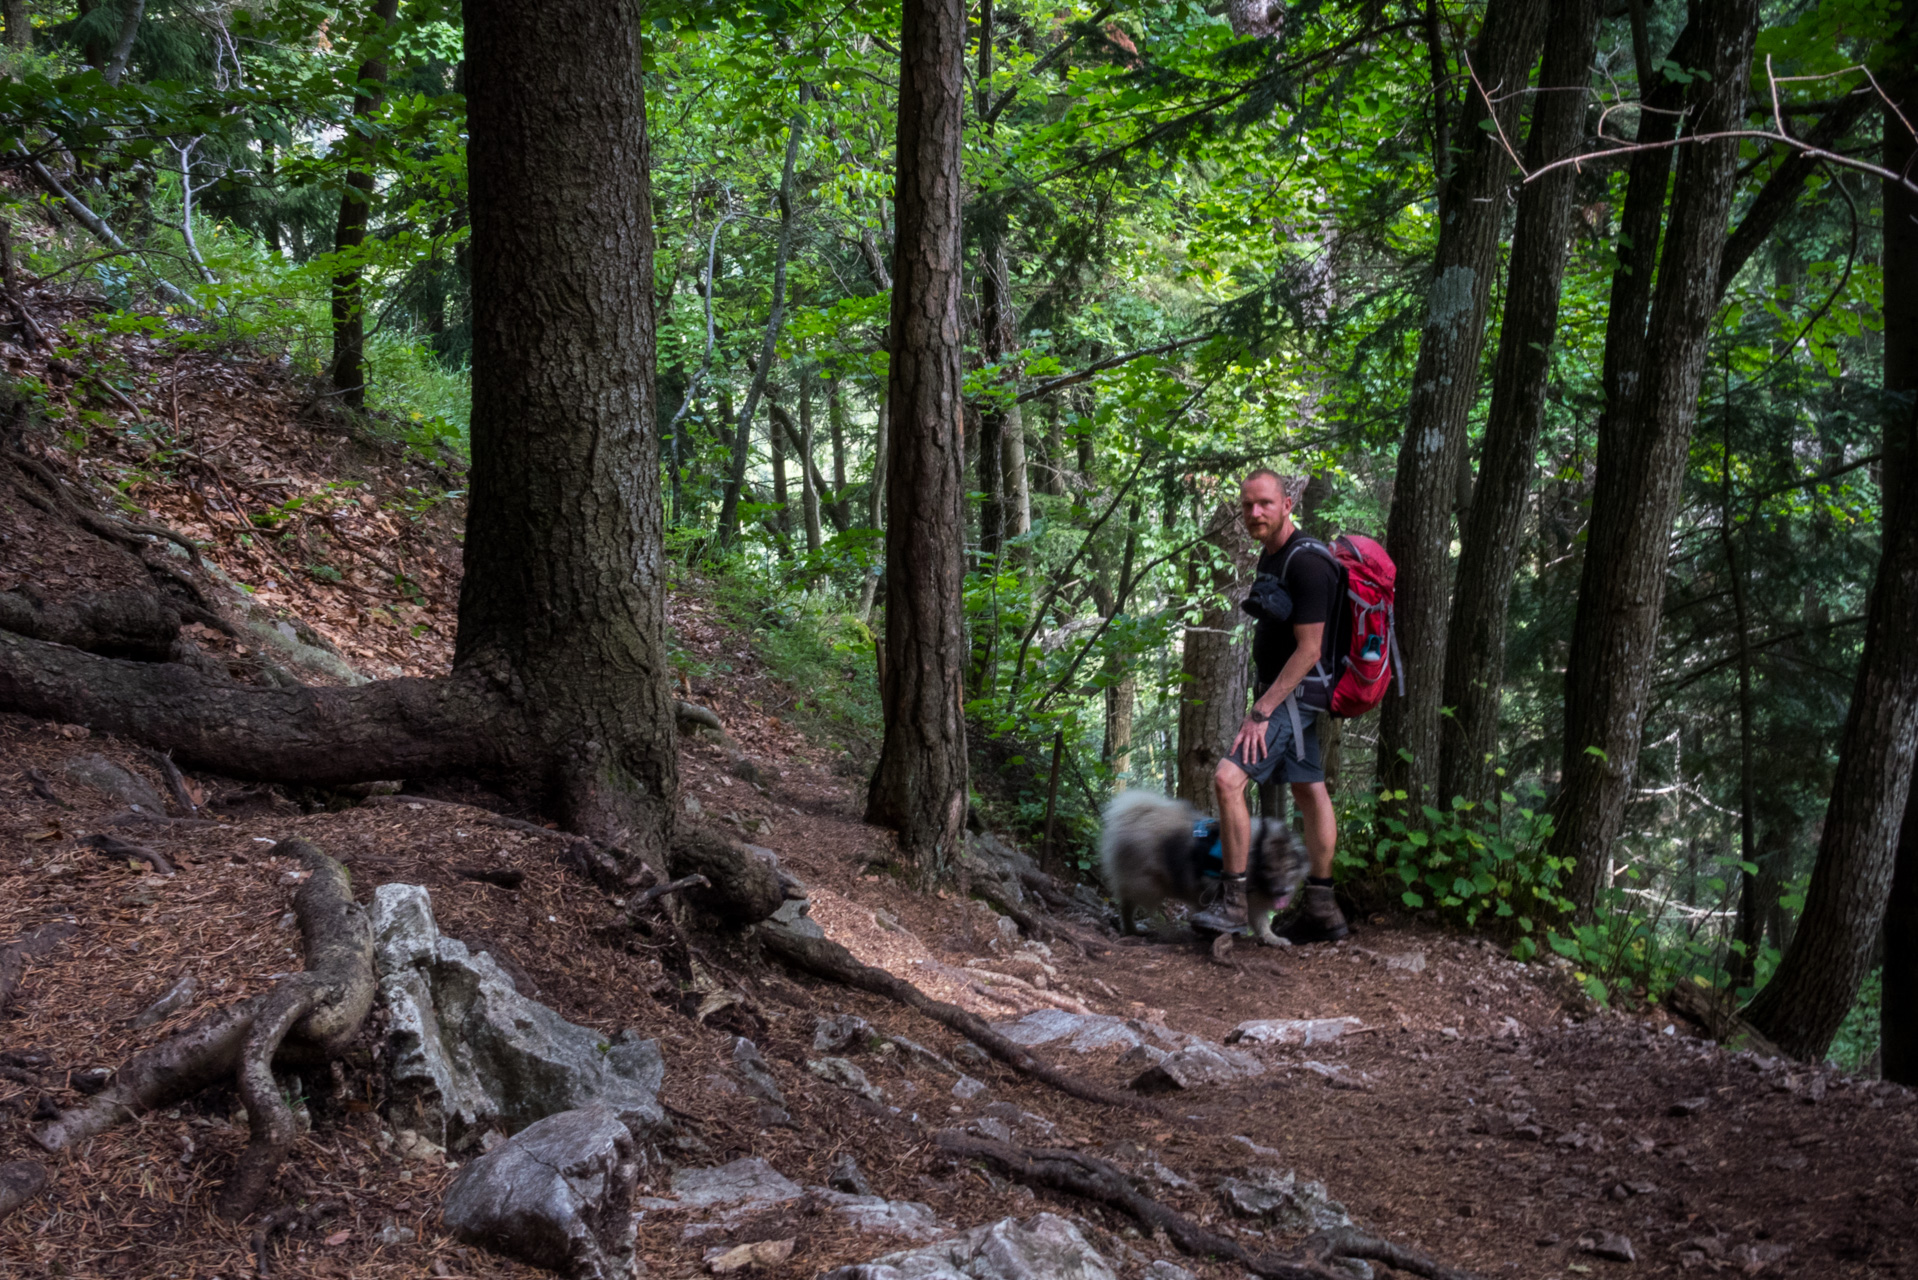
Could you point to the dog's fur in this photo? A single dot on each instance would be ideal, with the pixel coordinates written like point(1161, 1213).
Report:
point(1146, 851)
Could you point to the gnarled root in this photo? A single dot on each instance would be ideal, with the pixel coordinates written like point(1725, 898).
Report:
point(827, 959)
point(305, 1019)
point(1091, 1178)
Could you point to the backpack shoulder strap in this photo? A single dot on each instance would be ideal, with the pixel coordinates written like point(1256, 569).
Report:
point(1305, 543)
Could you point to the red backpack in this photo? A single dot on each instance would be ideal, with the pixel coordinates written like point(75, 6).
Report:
point(1364, 637)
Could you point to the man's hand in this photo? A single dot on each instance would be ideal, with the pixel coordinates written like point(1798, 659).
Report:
point(1249, 746)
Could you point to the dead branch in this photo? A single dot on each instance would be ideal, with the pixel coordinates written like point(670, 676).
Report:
point(825, 958)
point(659, 891)
point(499, 877)
point(175, 780)
point(124, 532)
point(44, 788)
point(304, 1019)
point(1091, 1178)
point(114, 847)
point(14, 957)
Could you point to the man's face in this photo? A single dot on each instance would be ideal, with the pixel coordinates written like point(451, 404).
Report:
point(1263, 507)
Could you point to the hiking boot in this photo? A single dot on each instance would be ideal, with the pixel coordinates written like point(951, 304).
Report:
point(1228, 914)
point(1319, 918)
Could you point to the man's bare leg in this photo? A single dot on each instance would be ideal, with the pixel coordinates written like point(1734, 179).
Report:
point(1320, 823)
point(1229, 914)
point(1235, 820)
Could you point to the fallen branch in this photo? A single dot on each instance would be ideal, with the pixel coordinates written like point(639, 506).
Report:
point(175, 780)
point(43, 788)
point(303, 1019)
point(114, 847)
point(14, 957)
point(1091, 1178)
point(825, 958)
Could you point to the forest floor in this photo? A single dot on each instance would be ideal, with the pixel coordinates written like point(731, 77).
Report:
point(1482, 1111)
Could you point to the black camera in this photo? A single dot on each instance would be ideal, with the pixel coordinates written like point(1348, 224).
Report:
point(1268, 601)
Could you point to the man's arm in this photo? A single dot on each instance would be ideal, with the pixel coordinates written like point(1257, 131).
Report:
point(1250, 742)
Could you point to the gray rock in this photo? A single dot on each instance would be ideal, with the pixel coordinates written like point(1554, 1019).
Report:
point(1300, 1031)
point(990, 1127)
point(176, 998)
point(753, 1070)
point(1082, 1032)
point(966, 1088)
point(1043, 1247)
point(1167, 1271)
point(559, 1196)
point(879, 1215)
point(846, 1074)
point(104, 776)
point(795, 917)
point(1199, 1064)
point(840, 1034)
point(847, 1177)
point(750, 1181)
point(20, 1181)
point(482, 1055)
point(917, 1052)
point(971, 1054)
point(1610, 1245)
point(1282, 1200)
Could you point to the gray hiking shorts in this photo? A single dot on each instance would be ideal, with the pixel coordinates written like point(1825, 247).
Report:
point(1282, 762)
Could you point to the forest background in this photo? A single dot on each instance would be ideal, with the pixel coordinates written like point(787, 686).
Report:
point(1632, 426)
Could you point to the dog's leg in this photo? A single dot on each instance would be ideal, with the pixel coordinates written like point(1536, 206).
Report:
point(1125, 918)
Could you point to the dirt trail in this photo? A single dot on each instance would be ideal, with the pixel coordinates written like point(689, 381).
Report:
point(1479, 1113)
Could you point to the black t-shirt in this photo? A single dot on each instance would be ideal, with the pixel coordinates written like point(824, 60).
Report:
point(1313, 582)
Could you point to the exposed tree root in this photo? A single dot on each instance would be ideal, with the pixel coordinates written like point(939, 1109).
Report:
point(14, 957)
point(1091, 1178)
point(114, 847)
point(825, 958)
point(303, 1020)
point(659, 891)
point(175, 782)
point(20, 1181)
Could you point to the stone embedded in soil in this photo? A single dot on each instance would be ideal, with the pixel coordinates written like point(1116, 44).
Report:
point(1042, 1247)
point(748, 1181)
point(1299, 1031)
point(1083, 1032)
point(794, 917)
point(1283, 1201)
point(753, 1070)
point(846, 1074)
point(1200, 1064)
point(1163, 1270)
point(1688, 1106)
point(176, 998)
point(750, 1257)
point(880, 1216)
point(130, 789)
point(846, 1176)
point(919, 1053)
point(966, 1088)
point(559, 1196)
point(840, 1033)
point(20, 1181)
point(463, 1037)
point(1610, 1245)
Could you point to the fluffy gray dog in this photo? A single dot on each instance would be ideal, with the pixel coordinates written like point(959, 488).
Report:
point(1154, 848)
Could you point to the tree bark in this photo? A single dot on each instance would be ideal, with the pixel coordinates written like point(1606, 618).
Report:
point(1899, 1003)
point(1445, 387)
point(836, 423)
point(775, 318)
point(1490, 546)
point(349, 311)
point(1641, 465)
point(563, 595)
point(116, 66)
point(919, 788)
point(808, 473)
point(19, 24)
point(1215, 663)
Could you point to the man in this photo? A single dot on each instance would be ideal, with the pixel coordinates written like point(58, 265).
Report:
point(1294, 626)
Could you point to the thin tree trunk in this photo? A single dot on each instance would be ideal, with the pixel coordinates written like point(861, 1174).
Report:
point(123, 47)
point(349, 310)
point(742, 431)
point(876, 492)
point(920, 788)
point(776, 442)
point(1216, 655)
point(808, 485)
point(1751, 924)
point(836, 423)
point(1490, 544)
point(1444, 389)
point(19, 24)
point(995, 328)
point(1641, 466)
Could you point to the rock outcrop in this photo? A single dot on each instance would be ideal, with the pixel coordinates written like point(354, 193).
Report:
point(1042, 1247)
point(480, 1054)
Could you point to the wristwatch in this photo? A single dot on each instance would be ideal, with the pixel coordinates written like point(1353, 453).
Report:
point(1256, 714)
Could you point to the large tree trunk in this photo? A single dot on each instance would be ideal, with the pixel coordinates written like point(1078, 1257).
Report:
point(1216, 660)
point(349, 310)
point(1641, 467)
point(1490, 548)
point(19, 24)
point(919, 788)
point(560, 672)
point(1444, 389)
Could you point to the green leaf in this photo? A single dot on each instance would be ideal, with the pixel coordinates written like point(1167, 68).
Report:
point(1411, 900)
